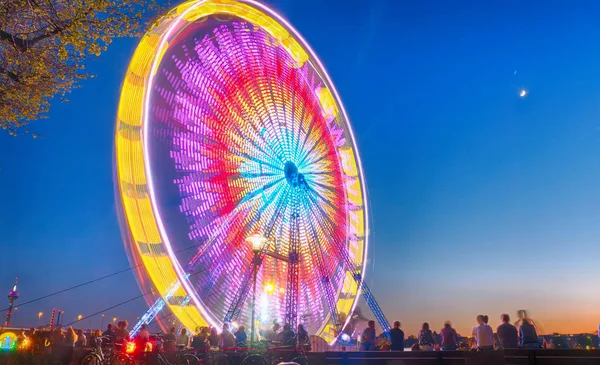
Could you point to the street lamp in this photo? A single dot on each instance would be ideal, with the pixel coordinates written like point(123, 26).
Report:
point(115, 320)
point(40, 315)
point(79, 317)
point(102, 325)
point(257, 241)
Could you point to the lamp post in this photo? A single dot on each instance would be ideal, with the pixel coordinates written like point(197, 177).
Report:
point(257, 241)
point(40, 315)
point(102, 323)
point(79, 317)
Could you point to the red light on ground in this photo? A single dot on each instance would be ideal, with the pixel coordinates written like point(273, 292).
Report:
point(130, 347)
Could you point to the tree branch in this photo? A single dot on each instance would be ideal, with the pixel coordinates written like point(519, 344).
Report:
point(16, 41)
point(10, 74)
point(30, 42)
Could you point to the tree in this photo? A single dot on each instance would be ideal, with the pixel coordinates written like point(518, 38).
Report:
point(44, 45)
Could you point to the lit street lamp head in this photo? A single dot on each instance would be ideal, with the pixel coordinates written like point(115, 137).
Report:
point(257, 241)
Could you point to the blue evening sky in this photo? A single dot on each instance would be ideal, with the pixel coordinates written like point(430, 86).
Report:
point(481, 201)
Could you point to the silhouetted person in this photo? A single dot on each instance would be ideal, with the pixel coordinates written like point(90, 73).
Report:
point(81, 339)
point(227, 339)
point(200, 339)
point(287, 336)
point(302, 338)
point(367, 339)
point(141, 340)
point(449, 337)
point(241, 337)
point(426, 341)
point(184, 339)
point(508, 335)
point(528, 334)
point(110, 333)
point(169, 340)
point(397, 337)
point(213, 338)
point(484, 334)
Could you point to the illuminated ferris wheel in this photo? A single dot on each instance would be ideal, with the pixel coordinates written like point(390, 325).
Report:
point(229, 127)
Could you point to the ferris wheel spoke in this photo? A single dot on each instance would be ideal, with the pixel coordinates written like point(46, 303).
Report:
point(307, 136)
point(327, 222)
point(308, 158)
point(247, 97)
point(327, 225)
point(262, 78)
point(317, 146)
point(242, 150)
point(221, 227)
point(292, 119)
point(300, 130)
point(321, 196)
point(321, 173)
point(276, 121)
point(259, 190)
point(226, 252)
point(325, 280)
point(245, 135)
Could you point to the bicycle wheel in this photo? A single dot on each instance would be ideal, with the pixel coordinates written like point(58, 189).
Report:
point(221, 360)
point(188, 359)
point(91, 359)
point(122, 359)
point(300, 360)
point(254, 359)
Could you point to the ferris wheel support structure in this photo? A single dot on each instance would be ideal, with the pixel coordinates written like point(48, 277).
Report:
point(364, 288)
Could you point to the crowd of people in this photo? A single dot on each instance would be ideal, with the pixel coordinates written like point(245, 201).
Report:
point(506, 336)
point(485, 338)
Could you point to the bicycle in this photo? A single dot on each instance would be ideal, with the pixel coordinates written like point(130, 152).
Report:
point(273, 355)
point(97, 356)
point(182, 357)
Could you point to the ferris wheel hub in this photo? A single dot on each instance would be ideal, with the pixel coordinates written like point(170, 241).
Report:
point(293, 177)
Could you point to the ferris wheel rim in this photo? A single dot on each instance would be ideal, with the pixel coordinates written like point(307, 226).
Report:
point(181, 275)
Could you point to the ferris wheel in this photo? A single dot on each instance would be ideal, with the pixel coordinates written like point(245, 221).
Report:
point(229, 128)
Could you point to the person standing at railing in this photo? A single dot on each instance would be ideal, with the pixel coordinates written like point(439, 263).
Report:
point(272, 333)
point(226, 340)
point(397, 336)
point(508, 336)
point(426, 341)
point(287, 337)
point(303, 338)
point(109, 334)
point(241, 337)
point(213, 338)
point(81, 339)
point(200, 339)
point(140, 341)
point(449, 337)
point(169, 340)
point(528, 334)
point(183, 339)
point(367, 340)
point(484, 334)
